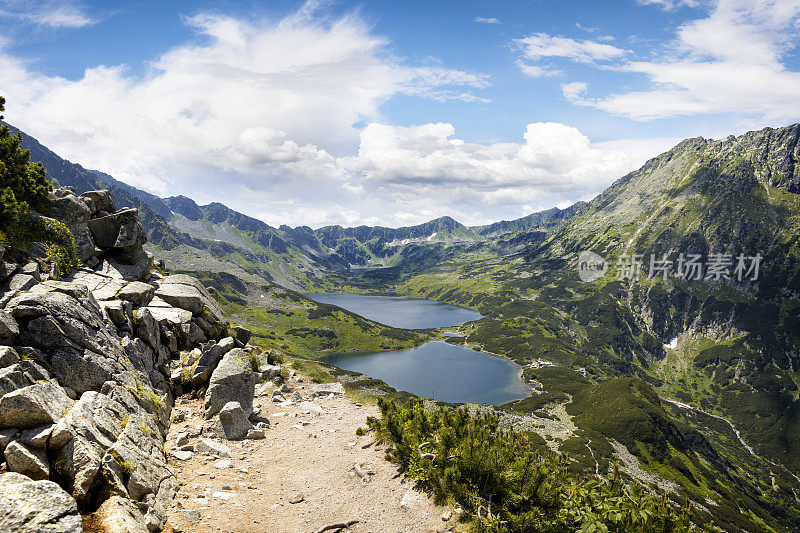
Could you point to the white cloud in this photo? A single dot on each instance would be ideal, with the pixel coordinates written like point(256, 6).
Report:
point(668, 5)
point(541, 45)
point(426, 166)
point(50, 14)
point(573, 91)
point(490, 20)
point(731, 61)
point(536, 71)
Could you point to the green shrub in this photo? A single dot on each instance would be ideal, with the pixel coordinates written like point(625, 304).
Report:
point(504, 484)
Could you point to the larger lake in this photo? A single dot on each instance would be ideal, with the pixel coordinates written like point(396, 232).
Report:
point(398, 311)
point(445, 372)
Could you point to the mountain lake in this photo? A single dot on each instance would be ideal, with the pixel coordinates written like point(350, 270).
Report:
point(438, 370)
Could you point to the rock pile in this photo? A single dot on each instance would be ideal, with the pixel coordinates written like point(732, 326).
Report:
point(90, 367)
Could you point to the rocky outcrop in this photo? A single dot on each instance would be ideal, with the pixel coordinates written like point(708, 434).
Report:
point(89, 369)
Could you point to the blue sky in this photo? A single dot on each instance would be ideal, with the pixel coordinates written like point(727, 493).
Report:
point(391, 113)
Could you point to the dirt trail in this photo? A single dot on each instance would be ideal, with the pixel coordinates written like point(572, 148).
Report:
point(307, 450)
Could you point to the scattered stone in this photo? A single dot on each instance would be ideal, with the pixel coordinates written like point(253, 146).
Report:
point(212, 447)
point(234, 421)
point(447, 515)
point(182, 455)
point(297, 497)
point(223, 463)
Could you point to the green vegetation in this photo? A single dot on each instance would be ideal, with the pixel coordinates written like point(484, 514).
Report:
point(504, 485)
point(23, 188)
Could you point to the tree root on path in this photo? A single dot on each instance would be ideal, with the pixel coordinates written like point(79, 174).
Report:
point(338, 527)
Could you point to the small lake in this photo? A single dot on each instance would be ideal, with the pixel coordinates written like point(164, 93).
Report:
point(442, 371)
point(445, 372)
point(399, 311)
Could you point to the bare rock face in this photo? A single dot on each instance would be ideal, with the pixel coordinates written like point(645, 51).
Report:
point(99, 201)
point(209, 359)
point(40, 506)
point(232, 381)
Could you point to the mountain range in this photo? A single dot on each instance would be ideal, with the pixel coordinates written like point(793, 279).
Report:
point(690, 384)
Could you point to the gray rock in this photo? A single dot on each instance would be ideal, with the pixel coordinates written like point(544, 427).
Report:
point(82, 370)
point(270, 371)
point(120, 515)
point(147, 328)
point(100, 201)
point(70, 210)
point(118, 230)
point(36, 506)
point(8, 355)
point(323, 389)
point(27, 461)
point(21, 282)
point(182, 455)
point(231, 381)
point(32, 269)
point(137, 292)
point(36, 438)
point(170, 315)
point(116, 311)
point(136, 266)
point(209, 359)
point(234, 422)
point(9, 329)
point(191, 335)
point(13, 378)
point(6, 436)
point(34, 405)
point(212, 447)
point(85, 248)
point(242, 335)
point(187, 293)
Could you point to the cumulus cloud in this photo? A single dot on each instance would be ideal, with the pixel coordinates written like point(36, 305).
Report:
point(542, 45)
point(554, 164)
point(50, 14)
point(731, 61)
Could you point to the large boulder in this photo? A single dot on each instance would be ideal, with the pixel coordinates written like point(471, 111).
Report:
point(118, 230)
point(70, 210)
point(119, 515)
point(99, 201)
point(234, 422)
point(34, 405)
point(188, 293)
point(232, 381)
point(36, 506)
point(209, 359)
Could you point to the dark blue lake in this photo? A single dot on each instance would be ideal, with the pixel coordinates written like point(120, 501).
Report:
point(442, 371)
point(399, 311)
point(445, 372)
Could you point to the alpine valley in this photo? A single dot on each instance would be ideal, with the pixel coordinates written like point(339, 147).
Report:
point(688, 387)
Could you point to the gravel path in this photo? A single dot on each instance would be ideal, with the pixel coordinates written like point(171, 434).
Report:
point(309, 449)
